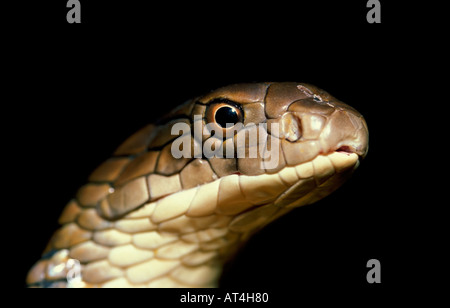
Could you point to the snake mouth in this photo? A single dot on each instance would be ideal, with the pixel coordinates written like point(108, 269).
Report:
point(358, 147)
point(346, 149)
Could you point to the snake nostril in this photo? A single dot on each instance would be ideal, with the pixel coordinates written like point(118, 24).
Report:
point(291, 127)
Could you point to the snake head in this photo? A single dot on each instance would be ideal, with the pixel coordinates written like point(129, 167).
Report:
point(282, 144)
point(244, 154)
point(305, 144)
point(309, 122)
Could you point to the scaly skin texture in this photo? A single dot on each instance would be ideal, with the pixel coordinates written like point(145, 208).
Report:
point(147, 219)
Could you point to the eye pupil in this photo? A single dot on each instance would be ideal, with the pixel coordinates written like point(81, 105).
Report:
point(226, 115)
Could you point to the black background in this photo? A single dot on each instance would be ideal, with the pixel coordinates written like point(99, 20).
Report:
point(83, 88)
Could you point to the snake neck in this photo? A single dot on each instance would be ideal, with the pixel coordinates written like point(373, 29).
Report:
point(134, 252)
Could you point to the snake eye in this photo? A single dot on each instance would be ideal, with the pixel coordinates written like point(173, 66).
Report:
point(226, 114)
point(223, 113)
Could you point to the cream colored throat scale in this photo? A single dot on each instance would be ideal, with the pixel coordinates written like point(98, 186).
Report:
point(148, 219)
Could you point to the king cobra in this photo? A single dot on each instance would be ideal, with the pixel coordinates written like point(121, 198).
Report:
point(148, 219)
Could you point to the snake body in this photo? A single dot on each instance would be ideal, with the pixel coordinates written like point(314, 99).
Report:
point(148, 219)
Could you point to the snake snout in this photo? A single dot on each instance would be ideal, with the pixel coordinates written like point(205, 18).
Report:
point(346, 132)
